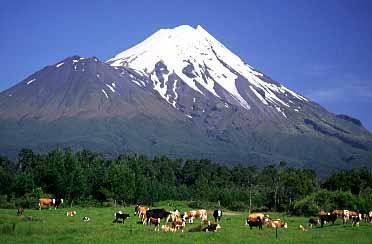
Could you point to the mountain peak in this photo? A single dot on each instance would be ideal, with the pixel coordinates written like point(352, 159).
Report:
point(205, 65)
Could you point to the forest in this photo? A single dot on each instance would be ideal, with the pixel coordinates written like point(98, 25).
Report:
point(86, 178)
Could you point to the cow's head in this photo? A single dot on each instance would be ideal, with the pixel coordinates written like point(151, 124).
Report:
point(285, 225)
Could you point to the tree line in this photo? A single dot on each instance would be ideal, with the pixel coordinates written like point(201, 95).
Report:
point(87, 178)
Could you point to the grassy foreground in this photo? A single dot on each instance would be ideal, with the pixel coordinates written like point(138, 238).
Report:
point(52, 226)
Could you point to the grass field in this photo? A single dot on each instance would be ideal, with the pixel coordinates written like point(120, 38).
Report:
point(52, 226)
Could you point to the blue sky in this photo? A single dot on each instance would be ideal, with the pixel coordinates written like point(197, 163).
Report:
point(320, 49)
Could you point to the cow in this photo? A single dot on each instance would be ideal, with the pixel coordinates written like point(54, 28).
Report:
point(254, 222)
point(49, 202)
point(313, 221)
point(155, 213)
point(71, 213)
point(212, 227)
point(192, 214)
point(264, 217)
point(355, 220)
point(327, 217)
point(370, 217)
point(142, 213)
point(120, 215)
point(178, 224)
point(277, 223)
point(217, 214)
point(20, 211)
point(86, 219)
point(302, 228)
point(155, 222)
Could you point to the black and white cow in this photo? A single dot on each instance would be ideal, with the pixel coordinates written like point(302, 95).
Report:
point(217, 214)
point(156, 214)
point(120, 215)
point(86, 219)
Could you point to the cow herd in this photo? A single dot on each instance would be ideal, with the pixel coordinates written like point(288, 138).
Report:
point(260, 219)
point(175, 221)
point(347, 216)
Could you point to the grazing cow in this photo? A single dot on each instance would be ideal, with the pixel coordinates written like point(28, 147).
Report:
point(178, 224)
point(302, 228)
point(217, 214)
point(155, 222)
point(166, 228)
point(277, 223)
point(71, 213)
point(313, 221)
point(155, 213)
point(192, 214)
point(120, 215)
point(355, 220)
point(20, 211)
point(48, 202)
point(370, 217)
point(327, 217)
point(86, 219)
point(212, 227)
point(254, 222)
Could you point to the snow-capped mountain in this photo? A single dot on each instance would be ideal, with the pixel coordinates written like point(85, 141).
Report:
point(180, 93)
point(206, 66)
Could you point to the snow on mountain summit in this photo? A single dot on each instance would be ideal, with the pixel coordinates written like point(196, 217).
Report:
point(203, 63)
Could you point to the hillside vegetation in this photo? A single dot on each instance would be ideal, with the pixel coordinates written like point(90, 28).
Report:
point(87, 179)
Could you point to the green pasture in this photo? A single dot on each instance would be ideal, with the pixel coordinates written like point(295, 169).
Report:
point(53, 226)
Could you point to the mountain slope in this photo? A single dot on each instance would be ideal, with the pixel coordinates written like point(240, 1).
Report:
point(180, 93)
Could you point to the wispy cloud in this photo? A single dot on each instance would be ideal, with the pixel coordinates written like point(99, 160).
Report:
point(346, 92)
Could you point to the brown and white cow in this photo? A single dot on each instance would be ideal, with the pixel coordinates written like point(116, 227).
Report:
point(302, 228)
point(155, 222)
point(178, 224)
point(49, 202)
point(192, 214)
point(212, 226)
point(263, 217)
point(71, 213)
point(276, 223)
